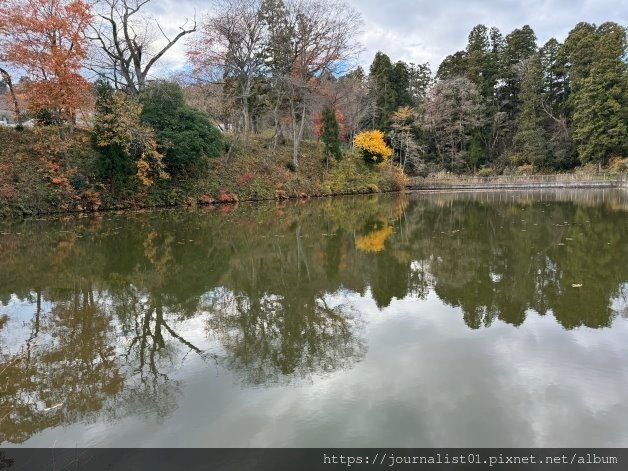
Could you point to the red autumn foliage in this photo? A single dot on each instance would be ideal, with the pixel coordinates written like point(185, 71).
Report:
point(245, 178)
point(58, 180)
point(7, 191)
point(226, 197)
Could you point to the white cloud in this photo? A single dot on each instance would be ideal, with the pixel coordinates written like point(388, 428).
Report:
point(423, 30)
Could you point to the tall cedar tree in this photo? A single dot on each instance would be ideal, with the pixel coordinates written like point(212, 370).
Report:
point(600, 101)
point(330, 134)
point(530, 140)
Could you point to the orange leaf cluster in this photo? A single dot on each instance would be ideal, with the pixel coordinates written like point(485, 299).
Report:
point(46, 39)
point(226, 197)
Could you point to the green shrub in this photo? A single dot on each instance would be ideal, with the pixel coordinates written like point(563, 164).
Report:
point(185, 136)
point(78, 181)
point(114, 165)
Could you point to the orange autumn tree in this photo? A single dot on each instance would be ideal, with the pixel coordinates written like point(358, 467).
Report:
point(46, 39)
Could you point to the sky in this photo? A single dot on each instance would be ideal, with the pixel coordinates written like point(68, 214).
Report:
point(428, 30)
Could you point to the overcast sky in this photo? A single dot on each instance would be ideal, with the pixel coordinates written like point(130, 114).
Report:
point(428, 30)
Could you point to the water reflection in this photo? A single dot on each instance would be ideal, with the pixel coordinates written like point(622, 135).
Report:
point(99, 315)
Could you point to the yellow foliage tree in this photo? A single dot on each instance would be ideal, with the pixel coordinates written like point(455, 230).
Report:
point(372, 145)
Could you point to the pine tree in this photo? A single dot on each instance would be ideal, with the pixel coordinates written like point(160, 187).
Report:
point(330, 134)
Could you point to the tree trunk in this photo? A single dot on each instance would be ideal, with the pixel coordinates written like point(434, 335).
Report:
point(16, 107)
point(246, 92)
point(297, 135)
point(276, 122)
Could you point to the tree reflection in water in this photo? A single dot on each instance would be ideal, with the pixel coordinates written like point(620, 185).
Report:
point(120, 303)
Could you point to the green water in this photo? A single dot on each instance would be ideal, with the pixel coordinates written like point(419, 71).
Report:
point(486, 319)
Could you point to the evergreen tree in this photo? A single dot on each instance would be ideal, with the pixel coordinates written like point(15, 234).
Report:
point(477, 60)
point(600, 100)
point(530, 140)
point(185, 135)
point(330, 134)
point(561, 147)
point(454, 65)
point(555, 85)
point(482, 62)
point(113, 164)
point(277, 53)
point(420, 80)
point(520, 45)
point(580, 47)
point(381, 90)
point(400, 81)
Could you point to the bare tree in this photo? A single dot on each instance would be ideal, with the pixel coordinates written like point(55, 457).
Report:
point(322, 40)
point(125, 43)
point(453, 109)
point(355, 101)
point(403, 122)
point(211, 98)
point(287, 44)
point(231, 42)
point(6, 77)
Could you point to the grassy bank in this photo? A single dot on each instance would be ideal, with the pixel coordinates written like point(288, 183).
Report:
point(43, 172)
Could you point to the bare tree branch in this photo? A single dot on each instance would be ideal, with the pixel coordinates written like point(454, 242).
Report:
point(123, 52)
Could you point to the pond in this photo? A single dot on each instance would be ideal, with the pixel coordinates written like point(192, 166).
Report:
point(417, 320)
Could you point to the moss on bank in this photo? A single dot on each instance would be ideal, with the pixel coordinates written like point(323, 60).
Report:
point(43, 172)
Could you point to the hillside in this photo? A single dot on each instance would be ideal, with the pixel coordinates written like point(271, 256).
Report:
point(43, 172)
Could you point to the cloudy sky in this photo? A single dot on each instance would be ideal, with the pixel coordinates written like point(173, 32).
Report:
point(428, 30)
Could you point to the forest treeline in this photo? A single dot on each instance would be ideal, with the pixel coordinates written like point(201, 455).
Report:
point(267, 75)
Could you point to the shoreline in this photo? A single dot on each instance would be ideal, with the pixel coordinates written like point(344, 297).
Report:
point(497, 187)
point(432, 188)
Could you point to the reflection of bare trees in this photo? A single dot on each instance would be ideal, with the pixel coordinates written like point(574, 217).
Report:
point(151, 349)
point(273, 320)
point(270, 338)
point(64, 372)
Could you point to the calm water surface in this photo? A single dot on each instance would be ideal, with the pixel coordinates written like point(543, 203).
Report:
point(492, 319)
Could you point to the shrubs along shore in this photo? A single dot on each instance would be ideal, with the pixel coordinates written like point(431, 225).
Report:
point(43, 173)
